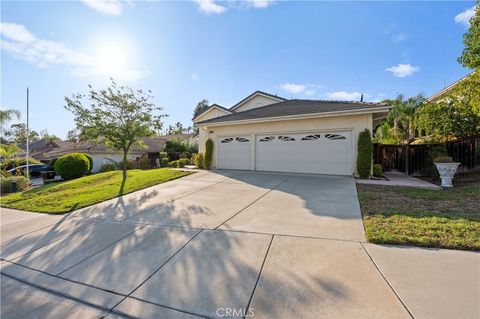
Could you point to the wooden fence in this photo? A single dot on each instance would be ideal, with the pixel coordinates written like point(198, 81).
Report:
point(416, 159)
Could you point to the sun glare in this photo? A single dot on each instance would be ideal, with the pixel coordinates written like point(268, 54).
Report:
point(111, 59)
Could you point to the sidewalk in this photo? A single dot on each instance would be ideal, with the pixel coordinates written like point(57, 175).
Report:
point(399, 179)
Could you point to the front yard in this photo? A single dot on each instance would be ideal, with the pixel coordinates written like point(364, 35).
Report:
point(431, 218)
point(66, 196)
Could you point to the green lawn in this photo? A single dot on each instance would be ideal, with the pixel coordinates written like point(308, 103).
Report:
point(431, 218)
point(66, 196)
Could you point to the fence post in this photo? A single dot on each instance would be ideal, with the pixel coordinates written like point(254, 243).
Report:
point(407, 159)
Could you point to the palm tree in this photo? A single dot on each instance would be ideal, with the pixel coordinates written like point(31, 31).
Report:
point(7, 115)
point(10, 150)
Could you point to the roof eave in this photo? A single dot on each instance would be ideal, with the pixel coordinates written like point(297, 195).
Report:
point(301, 116)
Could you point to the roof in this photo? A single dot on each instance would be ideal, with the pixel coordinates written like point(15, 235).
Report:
point(296, 107)
point(215, 105)
point(255, 93)
point(447, 89)
point(151, 145)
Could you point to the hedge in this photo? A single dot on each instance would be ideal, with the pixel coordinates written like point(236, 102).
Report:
point(72, 165)
point(208, 153)
point(365, 153)
point(90, 161)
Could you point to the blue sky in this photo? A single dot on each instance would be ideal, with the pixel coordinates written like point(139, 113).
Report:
point(223, 51)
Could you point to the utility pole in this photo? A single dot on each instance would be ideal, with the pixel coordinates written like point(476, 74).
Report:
point(28, 141)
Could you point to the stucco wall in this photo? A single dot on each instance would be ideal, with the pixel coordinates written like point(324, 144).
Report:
point(99, 159)
point(256, 101)
point(355, 123)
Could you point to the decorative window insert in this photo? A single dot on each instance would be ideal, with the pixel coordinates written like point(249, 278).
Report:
point(311, 137)
point(267, 139)
point(286, 138)
point(227, 140)
point(242, 139)
point(335, 137)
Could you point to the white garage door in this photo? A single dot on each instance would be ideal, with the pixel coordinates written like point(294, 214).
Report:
point(234, 152)
point(316, 152)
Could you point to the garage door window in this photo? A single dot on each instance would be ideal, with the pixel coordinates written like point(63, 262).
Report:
point(242, 139)
point(312, 137)
point(335, 137)
point(286, 138)
point(227, 140)
point(267, 139)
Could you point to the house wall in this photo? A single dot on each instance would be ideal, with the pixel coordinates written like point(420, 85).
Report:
point(99, 159)
point(256, 101)
point(355, 123)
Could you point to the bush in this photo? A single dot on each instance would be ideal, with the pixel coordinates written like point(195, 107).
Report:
point(164, 162)
point(175, 164)
point(200, 161)
point(365, 153)
point(10, 163)
point(6, 183)
point(51, 163)
point(377, 170)
point(72, 165)
point(183, 155)
point(130, 165)
point(183, 162)
point(163, 155)
point(90, 161)
point(107, 167)
point(208, 153)
point(143, 163)
point(443, 159)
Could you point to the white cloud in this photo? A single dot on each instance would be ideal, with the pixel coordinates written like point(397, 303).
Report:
point(293, 88)
point(465, 16)
point(345, 96)
point(108, 7)
point(20, 43)
point(260, 3)
point(403, 70)
point(210, 6)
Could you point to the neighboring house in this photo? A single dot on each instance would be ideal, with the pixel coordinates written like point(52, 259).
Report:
point(265, 132)
point(102, 154)
point(437, 97)
point(38, 149)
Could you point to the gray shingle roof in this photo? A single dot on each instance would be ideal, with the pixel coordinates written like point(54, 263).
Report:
point(294, 107)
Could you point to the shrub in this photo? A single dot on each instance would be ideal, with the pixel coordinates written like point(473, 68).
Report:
point(163, 155)
point(72, 165)
point(208, 154)
point(107, 167)
point(6, 183)
point(164, 162)
point(90, 161)
point(130, 164)
point(183, 155)
point(10, 163)
point(443, 159)
point(143, 163)
point(51, 163)
point(365, 153)
point(377, 170)
point(183, 162)
point(175, 164)
point(200, 161)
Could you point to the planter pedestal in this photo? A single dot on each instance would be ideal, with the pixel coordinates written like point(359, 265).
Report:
point(447, 172)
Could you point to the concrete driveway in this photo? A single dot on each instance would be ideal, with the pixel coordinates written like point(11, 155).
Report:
point(226, 244)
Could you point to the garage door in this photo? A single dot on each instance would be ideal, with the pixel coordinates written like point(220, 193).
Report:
point(316, 152)
point(234, 152)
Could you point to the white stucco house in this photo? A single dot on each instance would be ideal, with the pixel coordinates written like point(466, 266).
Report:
point(265, 132)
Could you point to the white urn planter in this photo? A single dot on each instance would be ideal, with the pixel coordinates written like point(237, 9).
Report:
point(446, 172)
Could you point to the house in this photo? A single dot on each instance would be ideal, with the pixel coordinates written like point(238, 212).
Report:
point(266, 132)
point(38, 149)
point(440, 95)
point(102, 154)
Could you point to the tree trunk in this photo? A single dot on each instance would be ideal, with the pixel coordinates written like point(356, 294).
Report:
point(125, 164)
